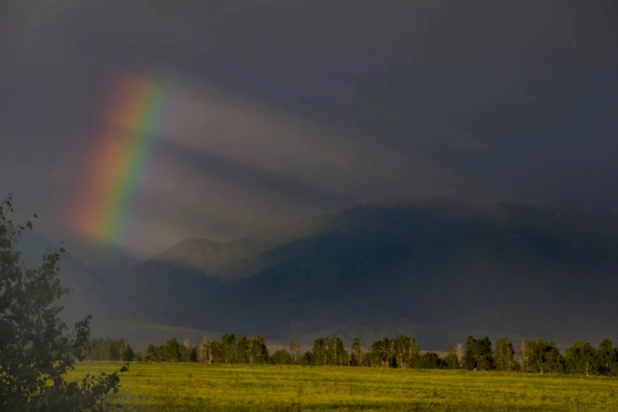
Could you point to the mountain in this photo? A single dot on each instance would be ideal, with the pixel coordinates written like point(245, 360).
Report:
point(438, 269)
point(89, 292)
point(103, 258)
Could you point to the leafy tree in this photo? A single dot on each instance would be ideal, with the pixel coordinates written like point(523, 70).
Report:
point(542, 356)
point(504, 356)
point(408, 351)
point(606, 358)
point(187, 354)
point(459, 352)
point(319, 351)
point(451, 361)
point(193, 356)
point(295, 351)
point(216, 352)
point(36, 350)
point(307, 359)
point(478, 354)
point(228, 346)
point(380, 353)
point(429, 360)
point(580, 358)
point(242, 350)
point(383, 353)
point(335, 352)
point(522, 356)
point(469, 358)
point(258, 353)
point(357, 352)
point(125, 350)
point(153, 354)
point(281, 357)
point(171, 351)
point(485, 359)
point(99, 350)
point(110, 349)
point(201, 350)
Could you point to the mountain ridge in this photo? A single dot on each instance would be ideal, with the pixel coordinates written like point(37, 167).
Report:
point(445, 264)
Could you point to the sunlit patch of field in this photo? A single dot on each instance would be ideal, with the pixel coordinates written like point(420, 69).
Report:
point(201, 387)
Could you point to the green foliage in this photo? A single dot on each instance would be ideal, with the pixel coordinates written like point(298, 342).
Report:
point(329, 351)
point(110, 349)
point(382, 354)
point(580, 358)
point(153, 354)
point(402, 352)
point(258, 353)
point(171, 351)
point(295, 351)
point(606, 358)
point(543, 357)
point(307, 359)
point(451, 361)
point(281, 357)
point(230, 349)
point(429, 360)
point(336, 355)
point(36, 349)
point(318, 351)
point(357, 353)
point(478, 354)
point(504, 356)
point(539, 356)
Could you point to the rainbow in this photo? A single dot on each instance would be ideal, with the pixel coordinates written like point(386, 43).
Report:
point(121, 158)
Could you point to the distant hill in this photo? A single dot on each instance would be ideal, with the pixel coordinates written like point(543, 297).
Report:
point(439, 268)
point(90, 292)
point(103, 258)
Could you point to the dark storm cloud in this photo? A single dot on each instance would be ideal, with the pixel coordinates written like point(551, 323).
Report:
point(516, 98)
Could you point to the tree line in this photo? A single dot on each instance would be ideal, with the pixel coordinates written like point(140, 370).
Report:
point(532, 356)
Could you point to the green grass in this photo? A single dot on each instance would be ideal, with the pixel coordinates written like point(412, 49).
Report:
point(199, 387)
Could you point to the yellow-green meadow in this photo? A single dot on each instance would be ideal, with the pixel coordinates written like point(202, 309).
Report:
point(202, 387)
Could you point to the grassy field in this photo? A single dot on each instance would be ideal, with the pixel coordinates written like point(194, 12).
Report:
point(199, 387)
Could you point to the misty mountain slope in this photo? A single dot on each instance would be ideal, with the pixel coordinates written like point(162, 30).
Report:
point(439, 263)
point(89, 292)
point(192, 252)
point(104, 259)
point(243, 257)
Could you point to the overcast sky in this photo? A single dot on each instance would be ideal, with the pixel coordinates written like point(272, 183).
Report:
point(278, 108)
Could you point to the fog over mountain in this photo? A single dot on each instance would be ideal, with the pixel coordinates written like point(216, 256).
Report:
point(435, 268)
